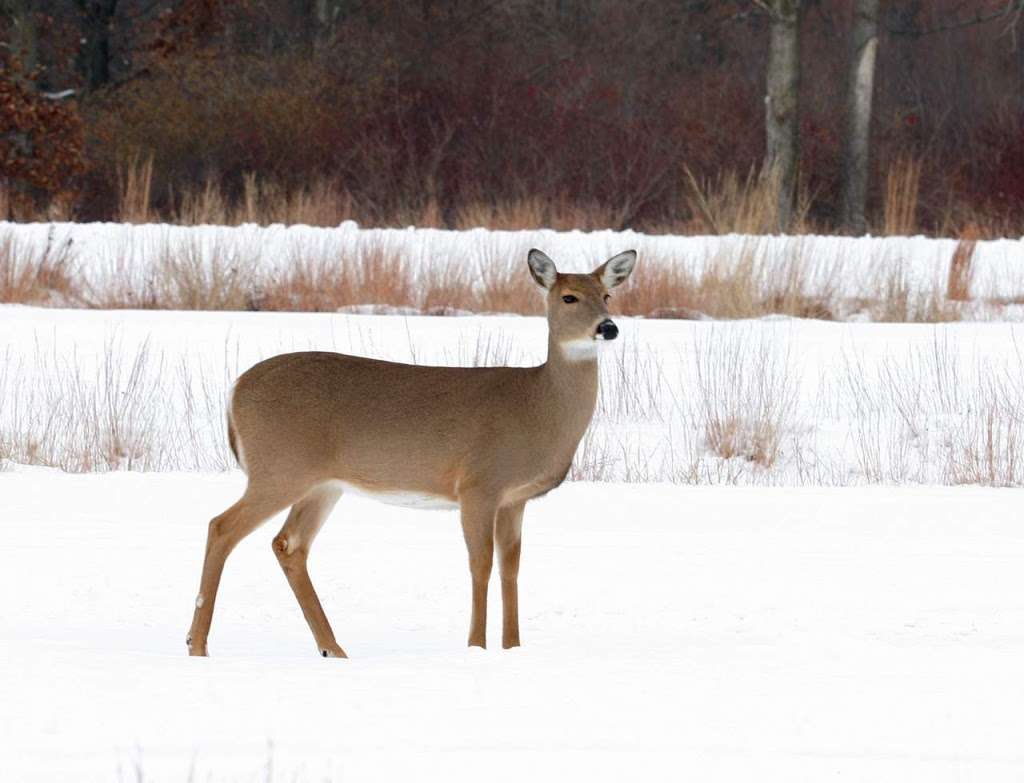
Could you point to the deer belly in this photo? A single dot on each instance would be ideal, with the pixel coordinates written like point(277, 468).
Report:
point(423, 500)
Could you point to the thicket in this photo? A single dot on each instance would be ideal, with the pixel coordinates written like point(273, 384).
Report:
point(510, 114)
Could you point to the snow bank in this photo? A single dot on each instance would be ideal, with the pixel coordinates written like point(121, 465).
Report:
point(843, 266)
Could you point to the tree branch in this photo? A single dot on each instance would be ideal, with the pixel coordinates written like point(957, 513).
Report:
point(1013, 8)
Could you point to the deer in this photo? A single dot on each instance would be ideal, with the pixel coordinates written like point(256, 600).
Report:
point(308, 427)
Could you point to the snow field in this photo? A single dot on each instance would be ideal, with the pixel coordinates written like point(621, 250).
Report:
point(671, 632)
point(766, 402)
point(800, 626)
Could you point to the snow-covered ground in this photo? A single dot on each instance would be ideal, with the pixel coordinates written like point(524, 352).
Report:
point(670, 633)
point(803, 627)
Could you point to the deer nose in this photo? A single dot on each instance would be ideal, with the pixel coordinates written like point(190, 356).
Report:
point(607, 330)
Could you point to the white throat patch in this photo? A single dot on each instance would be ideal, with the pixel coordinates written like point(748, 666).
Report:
point(579, 350)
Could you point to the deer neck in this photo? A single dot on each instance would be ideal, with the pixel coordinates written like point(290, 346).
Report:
point(569, 380)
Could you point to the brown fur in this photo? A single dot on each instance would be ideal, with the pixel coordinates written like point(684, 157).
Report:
point(487, 439)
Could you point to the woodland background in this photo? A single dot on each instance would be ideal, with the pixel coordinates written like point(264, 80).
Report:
point(516, 114)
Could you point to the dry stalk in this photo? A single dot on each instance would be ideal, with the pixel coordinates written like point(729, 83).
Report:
point(958, 288)
point(135, 188)
point(901, 197)
point(746, 399)
point(38, 276)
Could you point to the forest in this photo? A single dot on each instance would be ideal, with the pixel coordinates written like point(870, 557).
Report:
point(648, 115)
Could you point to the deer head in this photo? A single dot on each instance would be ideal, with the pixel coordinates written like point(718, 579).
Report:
point(577, 305)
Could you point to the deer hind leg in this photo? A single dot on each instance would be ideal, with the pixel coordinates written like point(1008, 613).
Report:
point(508, 531)
point(478, 528)
point(292, 547)
point(254, 508)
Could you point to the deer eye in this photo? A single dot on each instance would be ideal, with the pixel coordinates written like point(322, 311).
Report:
point(607, 297)
point(569, 299)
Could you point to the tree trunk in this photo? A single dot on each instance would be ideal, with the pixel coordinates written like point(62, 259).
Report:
point(97, 19)
point(857, 143)
point(782, 106)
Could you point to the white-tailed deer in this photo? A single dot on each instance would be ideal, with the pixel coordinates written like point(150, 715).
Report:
point(307, 427)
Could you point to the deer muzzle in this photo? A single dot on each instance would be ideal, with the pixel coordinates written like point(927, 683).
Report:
point(607, 330)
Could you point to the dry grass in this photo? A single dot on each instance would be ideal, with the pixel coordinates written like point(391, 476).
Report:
point(321, 203)
point(730, 202)
point(902, 186)
point(735, 204)
point(961, 267)
point(37, 276)
point(987, 448)
point(230, 269)
point(746, 399)
point(114, 415)
point(745, 277)
point(897, 302)
point(135, 190)
point(190, 273)
point(730, 409)
point(747, 281)
point(930, 417)
point(533, 212)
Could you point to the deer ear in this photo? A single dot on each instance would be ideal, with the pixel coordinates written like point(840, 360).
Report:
point(542, 268)
point(615, 270)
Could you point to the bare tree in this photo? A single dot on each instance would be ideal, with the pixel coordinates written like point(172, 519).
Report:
point(782, 103)
point(860, 88)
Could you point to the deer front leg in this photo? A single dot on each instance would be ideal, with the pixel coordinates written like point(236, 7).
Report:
point(478, 527)
point(508, 531)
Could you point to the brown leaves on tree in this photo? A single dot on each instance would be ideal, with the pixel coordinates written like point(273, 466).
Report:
point(42, 150)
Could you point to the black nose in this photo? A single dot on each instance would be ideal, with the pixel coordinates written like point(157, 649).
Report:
point(607, 330)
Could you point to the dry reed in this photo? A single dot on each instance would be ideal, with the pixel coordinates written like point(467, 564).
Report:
point(37, 276)
point(135, 190)
point(902, 187)
point(958, 287)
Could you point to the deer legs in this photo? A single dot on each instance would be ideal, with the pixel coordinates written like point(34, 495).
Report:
point(478, 528)
point(508, 531)
point(292, 546)
point(482, 523)
point(225, 531)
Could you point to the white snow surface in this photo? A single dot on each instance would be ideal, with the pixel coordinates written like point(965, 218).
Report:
point(840, 266)
point(670, 633)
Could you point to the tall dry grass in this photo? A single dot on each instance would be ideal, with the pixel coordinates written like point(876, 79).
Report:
point(930, 417)
point(961, 266)
point(746, 281)
point(902, 187)
point(121, 412)
point(747, 398)
point(743, 277)
point(735, 204)
point(135, 191)
point(38, 275)
point(734, 406)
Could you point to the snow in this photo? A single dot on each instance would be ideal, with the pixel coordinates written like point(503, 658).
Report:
point(790, 629)
point(669, 633)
